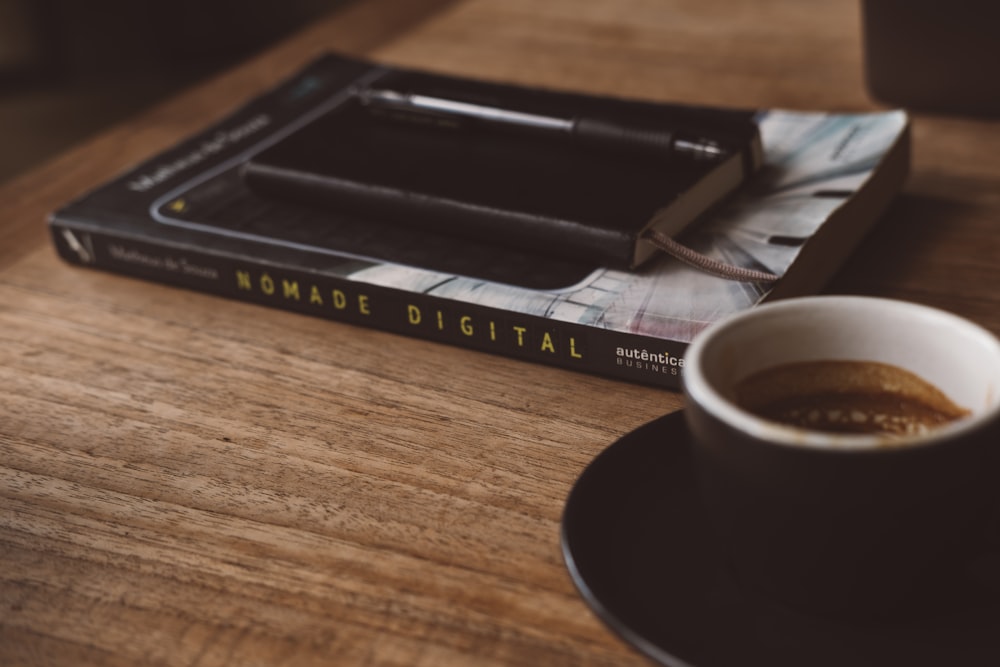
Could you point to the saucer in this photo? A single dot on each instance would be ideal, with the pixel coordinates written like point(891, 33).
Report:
point(640, 553)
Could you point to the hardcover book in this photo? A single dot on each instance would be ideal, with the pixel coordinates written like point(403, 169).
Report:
point(799, 192)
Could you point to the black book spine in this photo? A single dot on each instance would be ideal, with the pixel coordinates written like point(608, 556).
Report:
point(527, 337)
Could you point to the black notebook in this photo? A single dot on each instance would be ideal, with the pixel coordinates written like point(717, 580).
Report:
point(550, 173)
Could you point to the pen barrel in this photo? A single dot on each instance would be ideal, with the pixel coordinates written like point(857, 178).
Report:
point(658, 144)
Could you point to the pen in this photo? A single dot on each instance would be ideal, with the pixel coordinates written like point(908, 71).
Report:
point(593, 132)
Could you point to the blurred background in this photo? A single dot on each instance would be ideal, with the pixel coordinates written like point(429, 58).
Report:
point(68, 68)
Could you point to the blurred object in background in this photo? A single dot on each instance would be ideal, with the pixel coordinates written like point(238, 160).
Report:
point(23, 56)
point(68, 68)
point(933, 55)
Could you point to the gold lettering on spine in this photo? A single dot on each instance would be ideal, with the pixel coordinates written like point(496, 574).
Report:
point(266, 284)
point(547, 345)
point(315, 296)
point(467, 324)
point(520, 335)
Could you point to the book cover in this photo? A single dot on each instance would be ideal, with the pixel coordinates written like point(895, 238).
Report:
point(186, 217)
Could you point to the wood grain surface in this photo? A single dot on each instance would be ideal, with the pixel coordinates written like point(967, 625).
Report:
point(186, 480)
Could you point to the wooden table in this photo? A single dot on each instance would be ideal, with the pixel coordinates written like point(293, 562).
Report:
point(186, 480)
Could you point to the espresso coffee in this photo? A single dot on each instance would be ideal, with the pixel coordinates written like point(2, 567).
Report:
point(860, 397)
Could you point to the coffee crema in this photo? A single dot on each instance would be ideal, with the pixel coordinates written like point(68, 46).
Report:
point(849, 397)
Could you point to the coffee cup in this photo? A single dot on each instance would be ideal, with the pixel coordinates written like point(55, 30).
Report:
point(867, 521)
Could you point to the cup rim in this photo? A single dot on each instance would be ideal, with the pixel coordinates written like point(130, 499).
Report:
point(701, 391)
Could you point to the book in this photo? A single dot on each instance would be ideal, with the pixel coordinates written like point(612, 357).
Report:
point(545, 172)
point(187, 217)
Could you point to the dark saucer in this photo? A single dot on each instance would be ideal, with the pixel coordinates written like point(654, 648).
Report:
point(640, 553)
